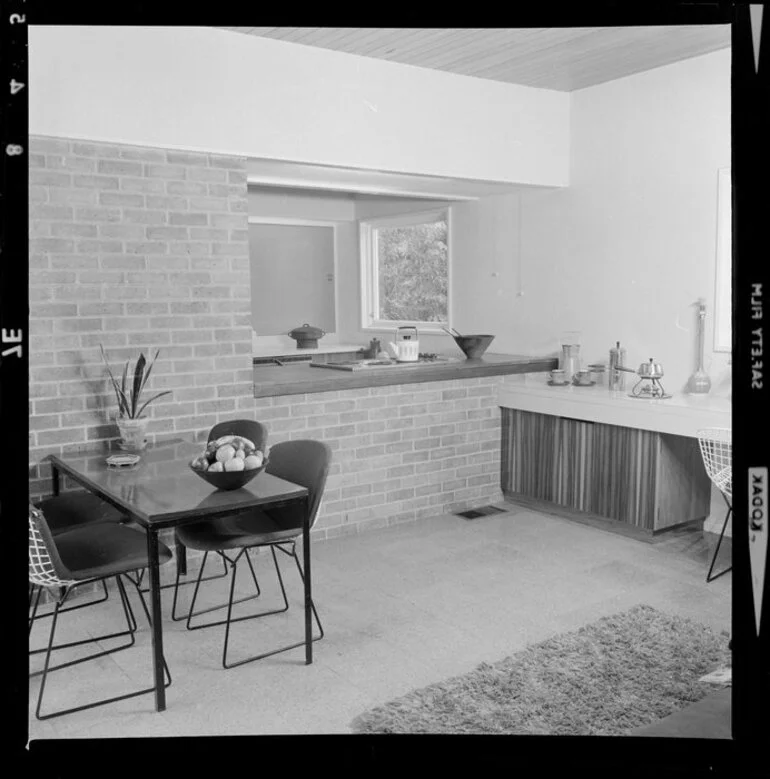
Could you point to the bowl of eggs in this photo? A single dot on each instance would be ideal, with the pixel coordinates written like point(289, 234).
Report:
point(229, 462)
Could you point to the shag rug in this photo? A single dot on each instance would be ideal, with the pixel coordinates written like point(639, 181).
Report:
point(607, 678)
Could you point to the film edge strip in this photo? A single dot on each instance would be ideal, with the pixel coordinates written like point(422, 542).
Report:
point(14, 238)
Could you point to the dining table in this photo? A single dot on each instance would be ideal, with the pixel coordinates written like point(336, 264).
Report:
point(161, 492)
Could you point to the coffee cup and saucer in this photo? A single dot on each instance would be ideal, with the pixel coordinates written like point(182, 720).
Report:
point(583, 379)
point(558, 378)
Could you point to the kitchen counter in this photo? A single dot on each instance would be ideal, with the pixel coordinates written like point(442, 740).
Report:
point(298, 379)
point(682, 414)
point(261, 351)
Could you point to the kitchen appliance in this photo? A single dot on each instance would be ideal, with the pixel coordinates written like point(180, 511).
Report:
point(616, 380)
point(307, 336)
point(649, 385)
point(406, 347)
point(700, 383)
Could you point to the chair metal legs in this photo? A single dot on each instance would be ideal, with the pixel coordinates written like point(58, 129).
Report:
point(181, 569)
point(709, 576)
point(229, 620)
point(48, 668)
point(202, 578)
point(34, 600)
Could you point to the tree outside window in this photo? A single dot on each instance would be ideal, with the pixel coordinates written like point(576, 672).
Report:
point(405, 270)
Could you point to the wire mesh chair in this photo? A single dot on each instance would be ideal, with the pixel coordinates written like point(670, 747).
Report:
point(63, 513)
point(716, 447)
point(91, 553)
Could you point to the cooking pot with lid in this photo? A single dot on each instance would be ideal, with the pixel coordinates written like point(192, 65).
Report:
point(307, 336)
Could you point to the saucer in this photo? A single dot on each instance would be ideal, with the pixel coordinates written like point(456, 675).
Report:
point(583, 383)
point(557, 383)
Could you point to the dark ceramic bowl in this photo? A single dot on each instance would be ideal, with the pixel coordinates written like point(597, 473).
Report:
point(229, 480)
point(473, 346)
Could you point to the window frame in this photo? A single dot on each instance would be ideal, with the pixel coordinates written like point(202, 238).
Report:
point(369, 269)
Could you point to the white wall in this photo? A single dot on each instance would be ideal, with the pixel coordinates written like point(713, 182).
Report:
point(215, 90)
point(625, 251)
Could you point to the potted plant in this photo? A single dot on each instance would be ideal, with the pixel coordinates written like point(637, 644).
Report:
point(131, 423)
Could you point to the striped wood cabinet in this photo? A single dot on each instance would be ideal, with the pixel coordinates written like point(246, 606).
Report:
point(643, 478)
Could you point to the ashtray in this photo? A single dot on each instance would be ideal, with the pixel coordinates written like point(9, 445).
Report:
point(122, 460)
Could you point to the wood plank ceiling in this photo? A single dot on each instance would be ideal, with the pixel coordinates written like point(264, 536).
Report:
point(562, 59)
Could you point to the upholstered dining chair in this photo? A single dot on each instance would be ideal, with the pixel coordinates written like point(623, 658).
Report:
point(303, 462)
point(716, 446)
point(65, 512)
point(90, 553)
point(256, 432)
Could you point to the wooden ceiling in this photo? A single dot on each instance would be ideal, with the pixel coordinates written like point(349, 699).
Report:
point(562, 59)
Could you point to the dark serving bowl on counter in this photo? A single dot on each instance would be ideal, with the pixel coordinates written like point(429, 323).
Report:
point(473, 346)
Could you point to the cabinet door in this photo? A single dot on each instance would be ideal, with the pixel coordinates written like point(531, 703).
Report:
point(529, 459)
point(574, 463)
point(624, 469)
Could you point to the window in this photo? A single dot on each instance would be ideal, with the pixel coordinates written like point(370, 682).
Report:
point(405, 264)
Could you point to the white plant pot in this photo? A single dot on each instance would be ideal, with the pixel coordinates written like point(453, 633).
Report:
point(133, 433)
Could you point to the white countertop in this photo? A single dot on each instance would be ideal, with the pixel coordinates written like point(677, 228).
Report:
point(681, 414)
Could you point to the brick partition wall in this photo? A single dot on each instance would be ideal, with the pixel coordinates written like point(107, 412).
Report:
point(134, 248)
point(401, 452)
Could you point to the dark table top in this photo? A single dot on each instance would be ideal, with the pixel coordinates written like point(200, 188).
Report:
point(162, 490)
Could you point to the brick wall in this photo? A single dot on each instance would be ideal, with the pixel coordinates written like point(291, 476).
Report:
point(136, 249)
point(401, 452)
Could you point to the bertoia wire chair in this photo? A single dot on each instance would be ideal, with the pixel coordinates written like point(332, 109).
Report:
point(63, 513)
point(716, 447)
point(90, 553)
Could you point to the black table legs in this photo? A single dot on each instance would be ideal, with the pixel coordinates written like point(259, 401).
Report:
point(157, 628)
point(308, 594)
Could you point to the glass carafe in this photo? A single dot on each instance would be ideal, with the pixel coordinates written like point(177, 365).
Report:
point(570, 360)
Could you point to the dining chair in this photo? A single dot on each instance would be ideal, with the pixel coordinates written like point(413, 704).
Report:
point(256, 432)
point(65, 512)
point(90, 553)
point(303, 462)
point(717, 452)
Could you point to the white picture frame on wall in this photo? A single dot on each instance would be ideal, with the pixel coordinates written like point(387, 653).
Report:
point(723, 307)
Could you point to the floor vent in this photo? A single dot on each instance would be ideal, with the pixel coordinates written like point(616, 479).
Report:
point(483, 511)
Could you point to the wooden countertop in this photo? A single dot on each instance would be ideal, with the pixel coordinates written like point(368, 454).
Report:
point(298, 379)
